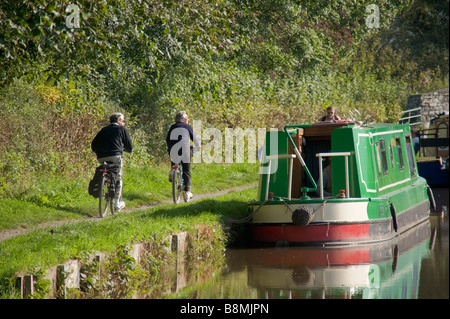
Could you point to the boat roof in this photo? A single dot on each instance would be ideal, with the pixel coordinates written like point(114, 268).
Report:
point(353, 125)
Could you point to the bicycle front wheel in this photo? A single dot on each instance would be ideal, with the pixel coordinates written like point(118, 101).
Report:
point(104, 199)
point(176, 186)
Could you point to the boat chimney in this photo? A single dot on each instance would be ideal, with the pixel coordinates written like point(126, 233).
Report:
point(342, 193)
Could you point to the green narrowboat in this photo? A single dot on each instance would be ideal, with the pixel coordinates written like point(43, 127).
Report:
point(376, 192)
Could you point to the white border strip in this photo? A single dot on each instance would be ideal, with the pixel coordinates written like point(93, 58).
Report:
point(369, 135)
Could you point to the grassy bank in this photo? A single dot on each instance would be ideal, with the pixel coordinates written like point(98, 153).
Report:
point(55, 199)
point(39, 249)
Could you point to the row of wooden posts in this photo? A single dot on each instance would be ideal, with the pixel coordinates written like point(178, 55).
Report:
point(67, 275)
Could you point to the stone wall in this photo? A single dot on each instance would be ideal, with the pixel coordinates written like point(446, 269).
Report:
point(432, 104)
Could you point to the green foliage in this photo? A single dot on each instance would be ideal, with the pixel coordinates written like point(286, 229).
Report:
point(229, 63)
point(44, 129)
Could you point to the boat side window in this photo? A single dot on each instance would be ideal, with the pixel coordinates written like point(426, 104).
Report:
point(442, 130)
point(391, 154)
point(409, 152)
point(400, 153)
point(377, 153)
point(383, 156)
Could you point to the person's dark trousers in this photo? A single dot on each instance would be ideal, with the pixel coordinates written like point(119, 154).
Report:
point(186, 175)
point(186, 170)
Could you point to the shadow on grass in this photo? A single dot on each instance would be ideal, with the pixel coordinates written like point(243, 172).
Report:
point(230, 215)
point(141, 198)
point(226, 210)
point(84, 212)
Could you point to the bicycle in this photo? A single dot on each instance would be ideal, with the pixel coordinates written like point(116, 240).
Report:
point(177, 184)
point(108, 187)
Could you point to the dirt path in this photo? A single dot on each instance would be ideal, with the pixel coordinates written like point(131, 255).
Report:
point(5, 234)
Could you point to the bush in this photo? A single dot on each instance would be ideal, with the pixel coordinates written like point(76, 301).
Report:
point(45, 130)
point(228, 63)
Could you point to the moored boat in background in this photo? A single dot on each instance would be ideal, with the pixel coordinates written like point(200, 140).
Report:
point(432, 159)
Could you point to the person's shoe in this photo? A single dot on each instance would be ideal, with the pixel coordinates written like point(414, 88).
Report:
point(171, 173)
point(189, 195)
point(119, 205)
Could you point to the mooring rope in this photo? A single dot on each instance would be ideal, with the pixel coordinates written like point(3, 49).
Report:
point(247, 218)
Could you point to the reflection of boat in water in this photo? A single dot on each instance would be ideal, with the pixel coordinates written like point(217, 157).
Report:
point(376, 191)
point(384, 270)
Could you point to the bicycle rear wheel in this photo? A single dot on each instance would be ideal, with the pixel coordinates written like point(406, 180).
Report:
point(176, 186)
point(104, 199)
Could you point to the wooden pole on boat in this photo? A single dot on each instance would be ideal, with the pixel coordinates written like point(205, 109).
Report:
point(347, 186)
point(276, 157)
point(305, 190)
point(290, 177)
point(321, 176)
point(347, 180)
point(268, 179)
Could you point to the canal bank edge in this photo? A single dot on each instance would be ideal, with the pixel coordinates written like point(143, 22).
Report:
point(205, 241)
point(163, 263)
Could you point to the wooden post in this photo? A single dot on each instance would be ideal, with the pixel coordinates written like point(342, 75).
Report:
point(179, 245)
point(136, 252)
point(67, 276)
point(27, 287)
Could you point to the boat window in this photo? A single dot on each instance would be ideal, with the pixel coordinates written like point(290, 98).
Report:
point(442, 130)
point(391, 154)
point(409, 151)
point(377, 153)
point(383, 156)
point(399, 153)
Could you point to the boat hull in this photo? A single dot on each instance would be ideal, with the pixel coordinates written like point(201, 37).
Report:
point(434, 171)
point(337, 232)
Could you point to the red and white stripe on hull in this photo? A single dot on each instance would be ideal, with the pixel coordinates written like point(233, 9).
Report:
point(353, 227)
point(312, 234)
point(332, 222)
point(344, 211)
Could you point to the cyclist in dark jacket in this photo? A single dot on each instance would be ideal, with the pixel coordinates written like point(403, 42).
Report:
point(109, 145)
point(178, 145)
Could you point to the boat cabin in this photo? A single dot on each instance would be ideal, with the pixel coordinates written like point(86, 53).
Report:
point(366, 161)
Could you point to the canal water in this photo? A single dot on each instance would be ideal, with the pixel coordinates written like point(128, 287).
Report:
point(413, 266)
